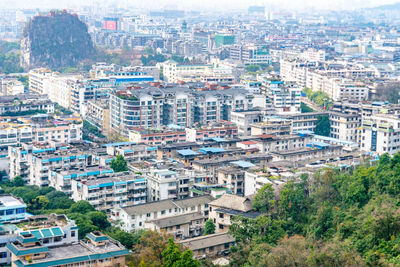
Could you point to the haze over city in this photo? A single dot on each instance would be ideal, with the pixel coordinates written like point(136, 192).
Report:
point(199, 133)
point(208, 5)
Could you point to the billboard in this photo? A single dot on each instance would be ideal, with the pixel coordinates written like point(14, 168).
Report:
point(110, 24)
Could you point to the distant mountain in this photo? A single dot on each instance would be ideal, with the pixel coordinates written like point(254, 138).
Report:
point(389, 7)
point(54, 41)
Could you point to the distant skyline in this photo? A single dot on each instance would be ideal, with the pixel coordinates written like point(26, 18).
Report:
point(223, 5)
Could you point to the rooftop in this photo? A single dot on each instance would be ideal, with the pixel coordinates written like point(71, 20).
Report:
point(201, 242)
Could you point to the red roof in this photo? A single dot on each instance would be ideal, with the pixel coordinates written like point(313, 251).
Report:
point(247, 143)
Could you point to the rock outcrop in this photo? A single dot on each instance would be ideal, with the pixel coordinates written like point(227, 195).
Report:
point(54, 41)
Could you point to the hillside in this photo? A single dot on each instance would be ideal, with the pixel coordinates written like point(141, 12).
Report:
point(58, 40)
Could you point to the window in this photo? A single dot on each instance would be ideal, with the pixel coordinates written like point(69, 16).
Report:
point(9, 212)
point(163, 212)
point(3, 254)
point(72, 233)
point(221, 215)
point(220, 226)
point(20, 210)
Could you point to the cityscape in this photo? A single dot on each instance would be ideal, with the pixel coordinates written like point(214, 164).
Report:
point(188, 134)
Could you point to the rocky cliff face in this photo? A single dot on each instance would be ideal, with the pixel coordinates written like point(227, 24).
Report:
point(58, 40)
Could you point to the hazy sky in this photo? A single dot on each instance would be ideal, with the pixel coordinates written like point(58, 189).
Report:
point(199, 4)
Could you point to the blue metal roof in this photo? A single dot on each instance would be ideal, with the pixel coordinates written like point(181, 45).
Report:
point(318, 145)
point(216, 139)
point(187, 152)
point(206, 150)
point(243, 164)
point(304, 132)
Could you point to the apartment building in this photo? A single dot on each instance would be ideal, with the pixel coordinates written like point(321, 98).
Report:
point(13, 87)
point(174, 72)
point(345, 126)
point(245, 119)
point(58, 131)
point(156, 137)
point(380, 133)
point(269, 143)
point(38, 80)
point(135, 217)
point(303, 121)
point(232, 178)
point(284, 96)
point(272, 125)
point(313, 150)
point(153, 108)
point(11, 134)
point(61, 180)
point(111, 190)
point(98, 114)
point(250, 54)
point(214, 131)
point(19, 104)
point(43, 163)
point(167, 184)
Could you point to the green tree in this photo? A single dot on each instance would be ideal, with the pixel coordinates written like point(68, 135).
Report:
point(264, 200)
point(323, 126)
point(39, 203)
point(252, 68)
point(82, 207)
point(119, 164)
point(305, 109)
point(209, 227)
point(18, 181)
point(173, 257)
point(99, 219)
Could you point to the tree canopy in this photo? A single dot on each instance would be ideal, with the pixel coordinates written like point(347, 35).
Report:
point(333, 218)
point(119, 164)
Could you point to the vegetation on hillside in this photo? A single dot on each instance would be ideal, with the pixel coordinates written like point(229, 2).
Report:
point(331, 219)
point(10, 57)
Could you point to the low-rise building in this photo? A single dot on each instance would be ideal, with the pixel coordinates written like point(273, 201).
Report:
point(99, 250)
point(135, 217)
point(179, 226)
point(12, 209)
point(217, 244)
point(223, 208)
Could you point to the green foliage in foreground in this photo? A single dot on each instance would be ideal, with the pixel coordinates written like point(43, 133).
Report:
point(331, 219)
